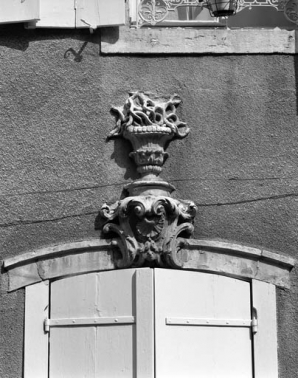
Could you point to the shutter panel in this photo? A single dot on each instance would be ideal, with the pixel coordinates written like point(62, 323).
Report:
point(94, 13)
point(205, 351)
point(56, 14)
point(265, 340)
point(105, 350)
point(18, 10)
point(36, 340)
point(133, 10)
point(145, 323)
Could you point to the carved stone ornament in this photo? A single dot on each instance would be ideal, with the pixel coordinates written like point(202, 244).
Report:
point(149, 224)
point(148, 227)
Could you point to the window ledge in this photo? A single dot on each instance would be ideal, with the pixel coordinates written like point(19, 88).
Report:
point(125, 40)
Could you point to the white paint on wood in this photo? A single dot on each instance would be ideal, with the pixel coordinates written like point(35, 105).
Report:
point(145, 323)
point(202, 326)
point(183, 351)
point(18, 11)
point(133, 10)
point(102, 350)
point(94, 13)
point(56, 14)
point(36, 340)
point(265, 340)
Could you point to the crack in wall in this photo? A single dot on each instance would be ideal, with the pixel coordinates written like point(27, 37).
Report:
point(25, 222)
point(62, 190)
point(28, 222)
point(278, 196)
point(124, 183)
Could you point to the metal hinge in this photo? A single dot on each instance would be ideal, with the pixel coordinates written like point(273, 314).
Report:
point(79, 322)
point(247, 323)
point(254, 322)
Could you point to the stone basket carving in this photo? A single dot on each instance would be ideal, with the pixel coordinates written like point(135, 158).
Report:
point(148, 222)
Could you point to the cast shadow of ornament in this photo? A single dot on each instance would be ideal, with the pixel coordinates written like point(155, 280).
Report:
point(296, 80)
point(120, 154)
point(78, 57)
point(147, 226)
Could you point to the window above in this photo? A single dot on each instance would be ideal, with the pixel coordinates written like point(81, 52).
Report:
point(63, 13)
point(170, 14)
point(231, 13)
point(184, 27)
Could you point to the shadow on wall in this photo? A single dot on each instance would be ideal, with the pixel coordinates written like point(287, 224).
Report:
point(77, 56)
point(110, 34)
point(15, 36)
point(296, 80)
point(120, 155)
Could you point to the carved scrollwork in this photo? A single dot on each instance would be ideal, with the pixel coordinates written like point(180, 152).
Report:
point(148, 227)
point(153, 12)
point(291, 10)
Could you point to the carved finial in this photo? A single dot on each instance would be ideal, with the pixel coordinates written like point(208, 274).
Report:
point(149, 124)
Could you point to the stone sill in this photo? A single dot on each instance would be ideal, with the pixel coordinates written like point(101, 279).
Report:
point(125, 40)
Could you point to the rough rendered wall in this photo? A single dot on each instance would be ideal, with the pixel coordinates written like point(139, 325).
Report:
point(240, 164)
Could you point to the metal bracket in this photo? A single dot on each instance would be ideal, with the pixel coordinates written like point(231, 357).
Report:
point(79, 322)
point(247, 323)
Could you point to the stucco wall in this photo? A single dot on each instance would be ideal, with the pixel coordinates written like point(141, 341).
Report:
point(239, 165)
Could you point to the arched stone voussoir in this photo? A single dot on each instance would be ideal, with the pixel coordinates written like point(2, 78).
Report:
point(61, 260)
point(237, 260)
point(209, 255)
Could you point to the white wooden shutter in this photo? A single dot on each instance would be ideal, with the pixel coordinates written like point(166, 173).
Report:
point(105, 350)
point(36, 340)
point(133, 10)
point(79, 13)
point(265, 340)
point(202, 326)
point(145, 323)
point(94, 13)
point(56, 14)
point(18, 10)
point(183, 350)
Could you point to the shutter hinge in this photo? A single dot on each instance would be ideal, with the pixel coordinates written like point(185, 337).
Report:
point(211, 322)
point(79, 322)
point(254, 321)
point(46, 325)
